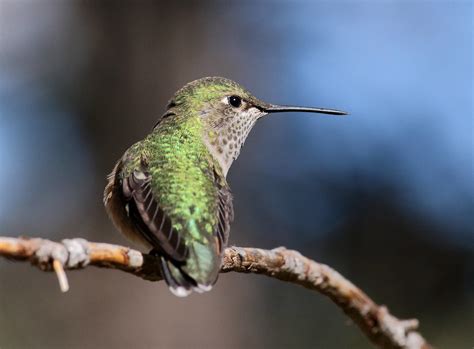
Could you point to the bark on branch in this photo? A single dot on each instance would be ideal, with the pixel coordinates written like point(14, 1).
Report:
point(382, 328)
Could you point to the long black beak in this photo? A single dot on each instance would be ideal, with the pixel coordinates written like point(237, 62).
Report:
point(272, 108)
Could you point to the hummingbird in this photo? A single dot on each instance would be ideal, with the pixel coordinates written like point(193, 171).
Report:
point(169, 191)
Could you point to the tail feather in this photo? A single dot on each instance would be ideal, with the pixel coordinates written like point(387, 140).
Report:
point(179, 283)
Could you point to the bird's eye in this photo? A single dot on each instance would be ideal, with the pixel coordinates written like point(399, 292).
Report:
point(235, 101)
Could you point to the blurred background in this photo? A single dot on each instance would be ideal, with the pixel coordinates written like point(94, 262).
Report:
point(385, 196)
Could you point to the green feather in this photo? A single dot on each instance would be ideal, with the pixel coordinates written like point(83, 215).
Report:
point(183, 181)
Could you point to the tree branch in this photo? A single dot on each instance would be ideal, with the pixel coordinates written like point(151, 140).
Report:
point(382, 328)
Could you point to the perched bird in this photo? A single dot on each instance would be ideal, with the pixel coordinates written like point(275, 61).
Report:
point(169, 190)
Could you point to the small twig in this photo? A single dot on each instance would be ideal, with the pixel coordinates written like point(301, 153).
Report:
point(382, 328)
point(60, 273)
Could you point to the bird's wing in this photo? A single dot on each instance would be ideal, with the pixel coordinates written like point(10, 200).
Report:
point(149, 217)
point(226, 211)
point(156, 226)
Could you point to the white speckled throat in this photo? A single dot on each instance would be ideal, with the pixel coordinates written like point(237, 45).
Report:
point(230, 137)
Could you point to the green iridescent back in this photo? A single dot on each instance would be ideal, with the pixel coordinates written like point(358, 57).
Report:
point(184, 183)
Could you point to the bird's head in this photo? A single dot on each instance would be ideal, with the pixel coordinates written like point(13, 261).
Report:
point(228, 112)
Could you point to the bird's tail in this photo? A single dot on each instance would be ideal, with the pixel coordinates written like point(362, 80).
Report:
point(179, 283)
